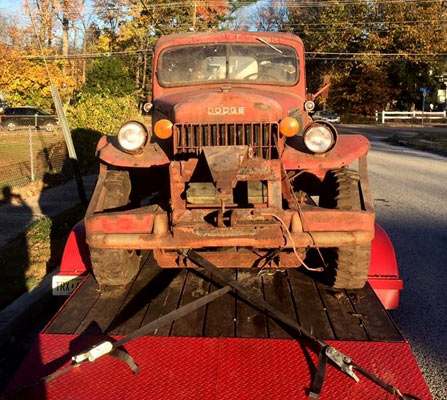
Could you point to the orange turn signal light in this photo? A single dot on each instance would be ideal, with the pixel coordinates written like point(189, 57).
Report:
point(163, 128)
point(289, 126)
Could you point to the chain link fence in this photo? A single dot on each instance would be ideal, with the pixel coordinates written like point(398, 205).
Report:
point(27, 155)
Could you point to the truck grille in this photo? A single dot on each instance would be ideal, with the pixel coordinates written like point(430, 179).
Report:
point(261, 137)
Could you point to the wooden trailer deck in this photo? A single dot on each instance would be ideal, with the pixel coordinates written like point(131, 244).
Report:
point(349, 315)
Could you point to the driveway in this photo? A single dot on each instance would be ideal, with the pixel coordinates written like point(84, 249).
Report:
point(18, 214)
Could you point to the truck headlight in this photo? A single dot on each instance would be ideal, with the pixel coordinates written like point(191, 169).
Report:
point(319, 138)
point(132, 136)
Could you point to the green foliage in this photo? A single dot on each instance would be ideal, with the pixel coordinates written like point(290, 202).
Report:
point(32, 98)
point(360, 89)
point(25, 82)
point(360, 84)
point(103, 114)
point(93, 116)
point(109, 77)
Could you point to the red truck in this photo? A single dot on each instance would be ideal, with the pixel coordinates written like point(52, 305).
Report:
point(233, 167)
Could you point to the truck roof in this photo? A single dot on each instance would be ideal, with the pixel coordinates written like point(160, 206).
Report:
point(225, 36)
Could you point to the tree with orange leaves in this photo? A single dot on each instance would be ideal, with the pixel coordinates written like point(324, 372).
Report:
point(135, 25)
point(26, 82)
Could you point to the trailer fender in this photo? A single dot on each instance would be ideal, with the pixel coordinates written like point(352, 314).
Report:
point(383, 275)
point(76, 257)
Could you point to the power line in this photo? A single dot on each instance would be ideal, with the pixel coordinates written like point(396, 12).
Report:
point(310, 53)
point(88, 56)
point(344, 23)
point(376, 54)
point(366, 23)
point(242, 4)
point(302, 33)
point(375, 60)
point(360, 24)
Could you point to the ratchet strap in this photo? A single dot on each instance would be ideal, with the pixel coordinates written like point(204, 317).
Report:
point(113, 348)
point(320, 375)
point(342, 361)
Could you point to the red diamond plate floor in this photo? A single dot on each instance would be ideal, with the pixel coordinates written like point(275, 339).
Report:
point(213, 368)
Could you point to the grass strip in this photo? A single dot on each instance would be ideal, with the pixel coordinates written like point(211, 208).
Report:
point(432, 143)
point(26, 259)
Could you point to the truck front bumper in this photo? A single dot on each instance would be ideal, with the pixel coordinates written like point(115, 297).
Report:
point(257, 228)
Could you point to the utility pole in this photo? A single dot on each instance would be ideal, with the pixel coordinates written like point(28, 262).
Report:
point(61, 116)
point(424, 93)
point(194, 17)
point(69, 142)
point(444, 79)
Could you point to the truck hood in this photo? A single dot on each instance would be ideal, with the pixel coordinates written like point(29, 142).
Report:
point(219, 105)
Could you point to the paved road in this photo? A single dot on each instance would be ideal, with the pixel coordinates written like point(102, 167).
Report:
point(16, 216)
point(410, 192)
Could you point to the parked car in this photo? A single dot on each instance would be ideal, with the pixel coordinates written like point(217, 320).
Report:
point(328, 116)
point(14, 117)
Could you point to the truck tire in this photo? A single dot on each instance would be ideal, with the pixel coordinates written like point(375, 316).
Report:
point(346, 267)
point(114, 267)
point(11, 126)
point(118, 186)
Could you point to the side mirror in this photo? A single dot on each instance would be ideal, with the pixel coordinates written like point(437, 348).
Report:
point(322, 91)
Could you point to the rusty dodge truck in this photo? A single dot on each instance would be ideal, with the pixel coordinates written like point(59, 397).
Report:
point(233, 167)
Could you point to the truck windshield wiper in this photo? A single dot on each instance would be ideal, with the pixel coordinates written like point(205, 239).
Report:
point(269, 45)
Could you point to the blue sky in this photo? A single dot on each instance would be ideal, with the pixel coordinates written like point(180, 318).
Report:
point(14, 5)
point(10, 4)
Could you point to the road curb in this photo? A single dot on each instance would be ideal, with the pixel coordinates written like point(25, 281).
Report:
point(25, 310)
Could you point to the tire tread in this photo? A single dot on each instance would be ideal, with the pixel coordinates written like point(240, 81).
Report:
point(347, 267)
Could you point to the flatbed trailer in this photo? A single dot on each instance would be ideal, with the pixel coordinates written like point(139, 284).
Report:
point(227, 349)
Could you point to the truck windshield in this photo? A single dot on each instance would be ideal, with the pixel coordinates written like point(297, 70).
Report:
point(209, 63)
